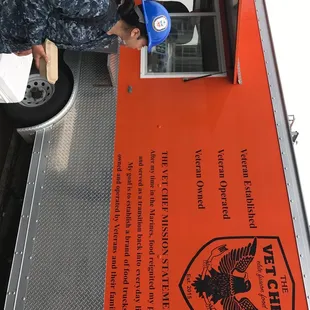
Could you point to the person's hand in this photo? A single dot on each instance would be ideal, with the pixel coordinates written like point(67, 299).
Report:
point(24, 53)
point(38, 53)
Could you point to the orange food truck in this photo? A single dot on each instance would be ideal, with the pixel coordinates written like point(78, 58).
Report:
point(167, 180)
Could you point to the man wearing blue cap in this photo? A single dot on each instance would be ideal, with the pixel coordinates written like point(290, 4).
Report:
point(80, 24)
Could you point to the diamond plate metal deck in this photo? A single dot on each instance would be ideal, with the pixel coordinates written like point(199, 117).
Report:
point(66, 264)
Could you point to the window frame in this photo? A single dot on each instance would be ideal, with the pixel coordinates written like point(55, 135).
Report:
point(220, 50)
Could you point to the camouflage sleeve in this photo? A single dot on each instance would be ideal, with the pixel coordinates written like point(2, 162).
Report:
point(83, 8)
point(36, 13)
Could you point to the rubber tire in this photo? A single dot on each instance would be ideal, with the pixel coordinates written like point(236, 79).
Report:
point(22, 116)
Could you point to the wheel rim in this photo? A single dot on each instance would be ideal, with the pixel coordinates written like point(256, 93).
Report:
point(38, 92)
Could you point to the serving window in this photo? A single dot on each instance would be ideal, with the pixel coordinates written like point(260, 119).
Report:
point(195, 46)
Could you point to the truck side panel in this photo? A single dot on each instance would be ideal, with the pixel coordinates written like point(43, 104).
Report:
point(199, 182)
point(202, 208)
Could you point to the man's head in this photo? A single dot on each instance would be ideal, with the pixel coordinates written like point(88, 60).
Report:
point(135, 40)
point(147, 24)
point(134, 34)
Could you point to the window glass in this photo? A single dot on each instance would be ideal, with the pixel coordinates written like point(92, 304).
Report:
point(191, 47)
point(231, 7)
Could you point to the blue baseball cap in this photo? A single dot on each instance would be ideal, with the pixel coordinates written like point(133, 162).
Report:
point(157, 21)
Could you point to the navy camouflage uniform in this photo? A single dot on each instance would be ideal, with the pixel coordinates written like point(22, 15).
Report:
point(24, 23)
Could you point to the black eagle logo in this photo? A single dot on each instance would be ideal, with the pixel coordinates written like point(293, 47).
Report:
point(222, 285)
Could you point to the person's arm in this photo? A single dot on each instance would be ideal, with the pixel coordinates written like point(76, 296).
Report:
point(36, 13)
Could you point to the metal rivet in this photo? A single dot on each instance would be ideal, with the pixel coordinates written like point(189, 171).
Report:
point(297, 236)
point(37, 221)
point(294, 218)
point(24, 298)
point(30, 257)
point(27, 277)
point(129, 89)
point(41, 187)
point(159, 126)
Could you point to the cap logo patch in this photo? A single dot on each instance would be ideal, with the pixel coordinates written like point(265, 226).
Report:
point(160, 23)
